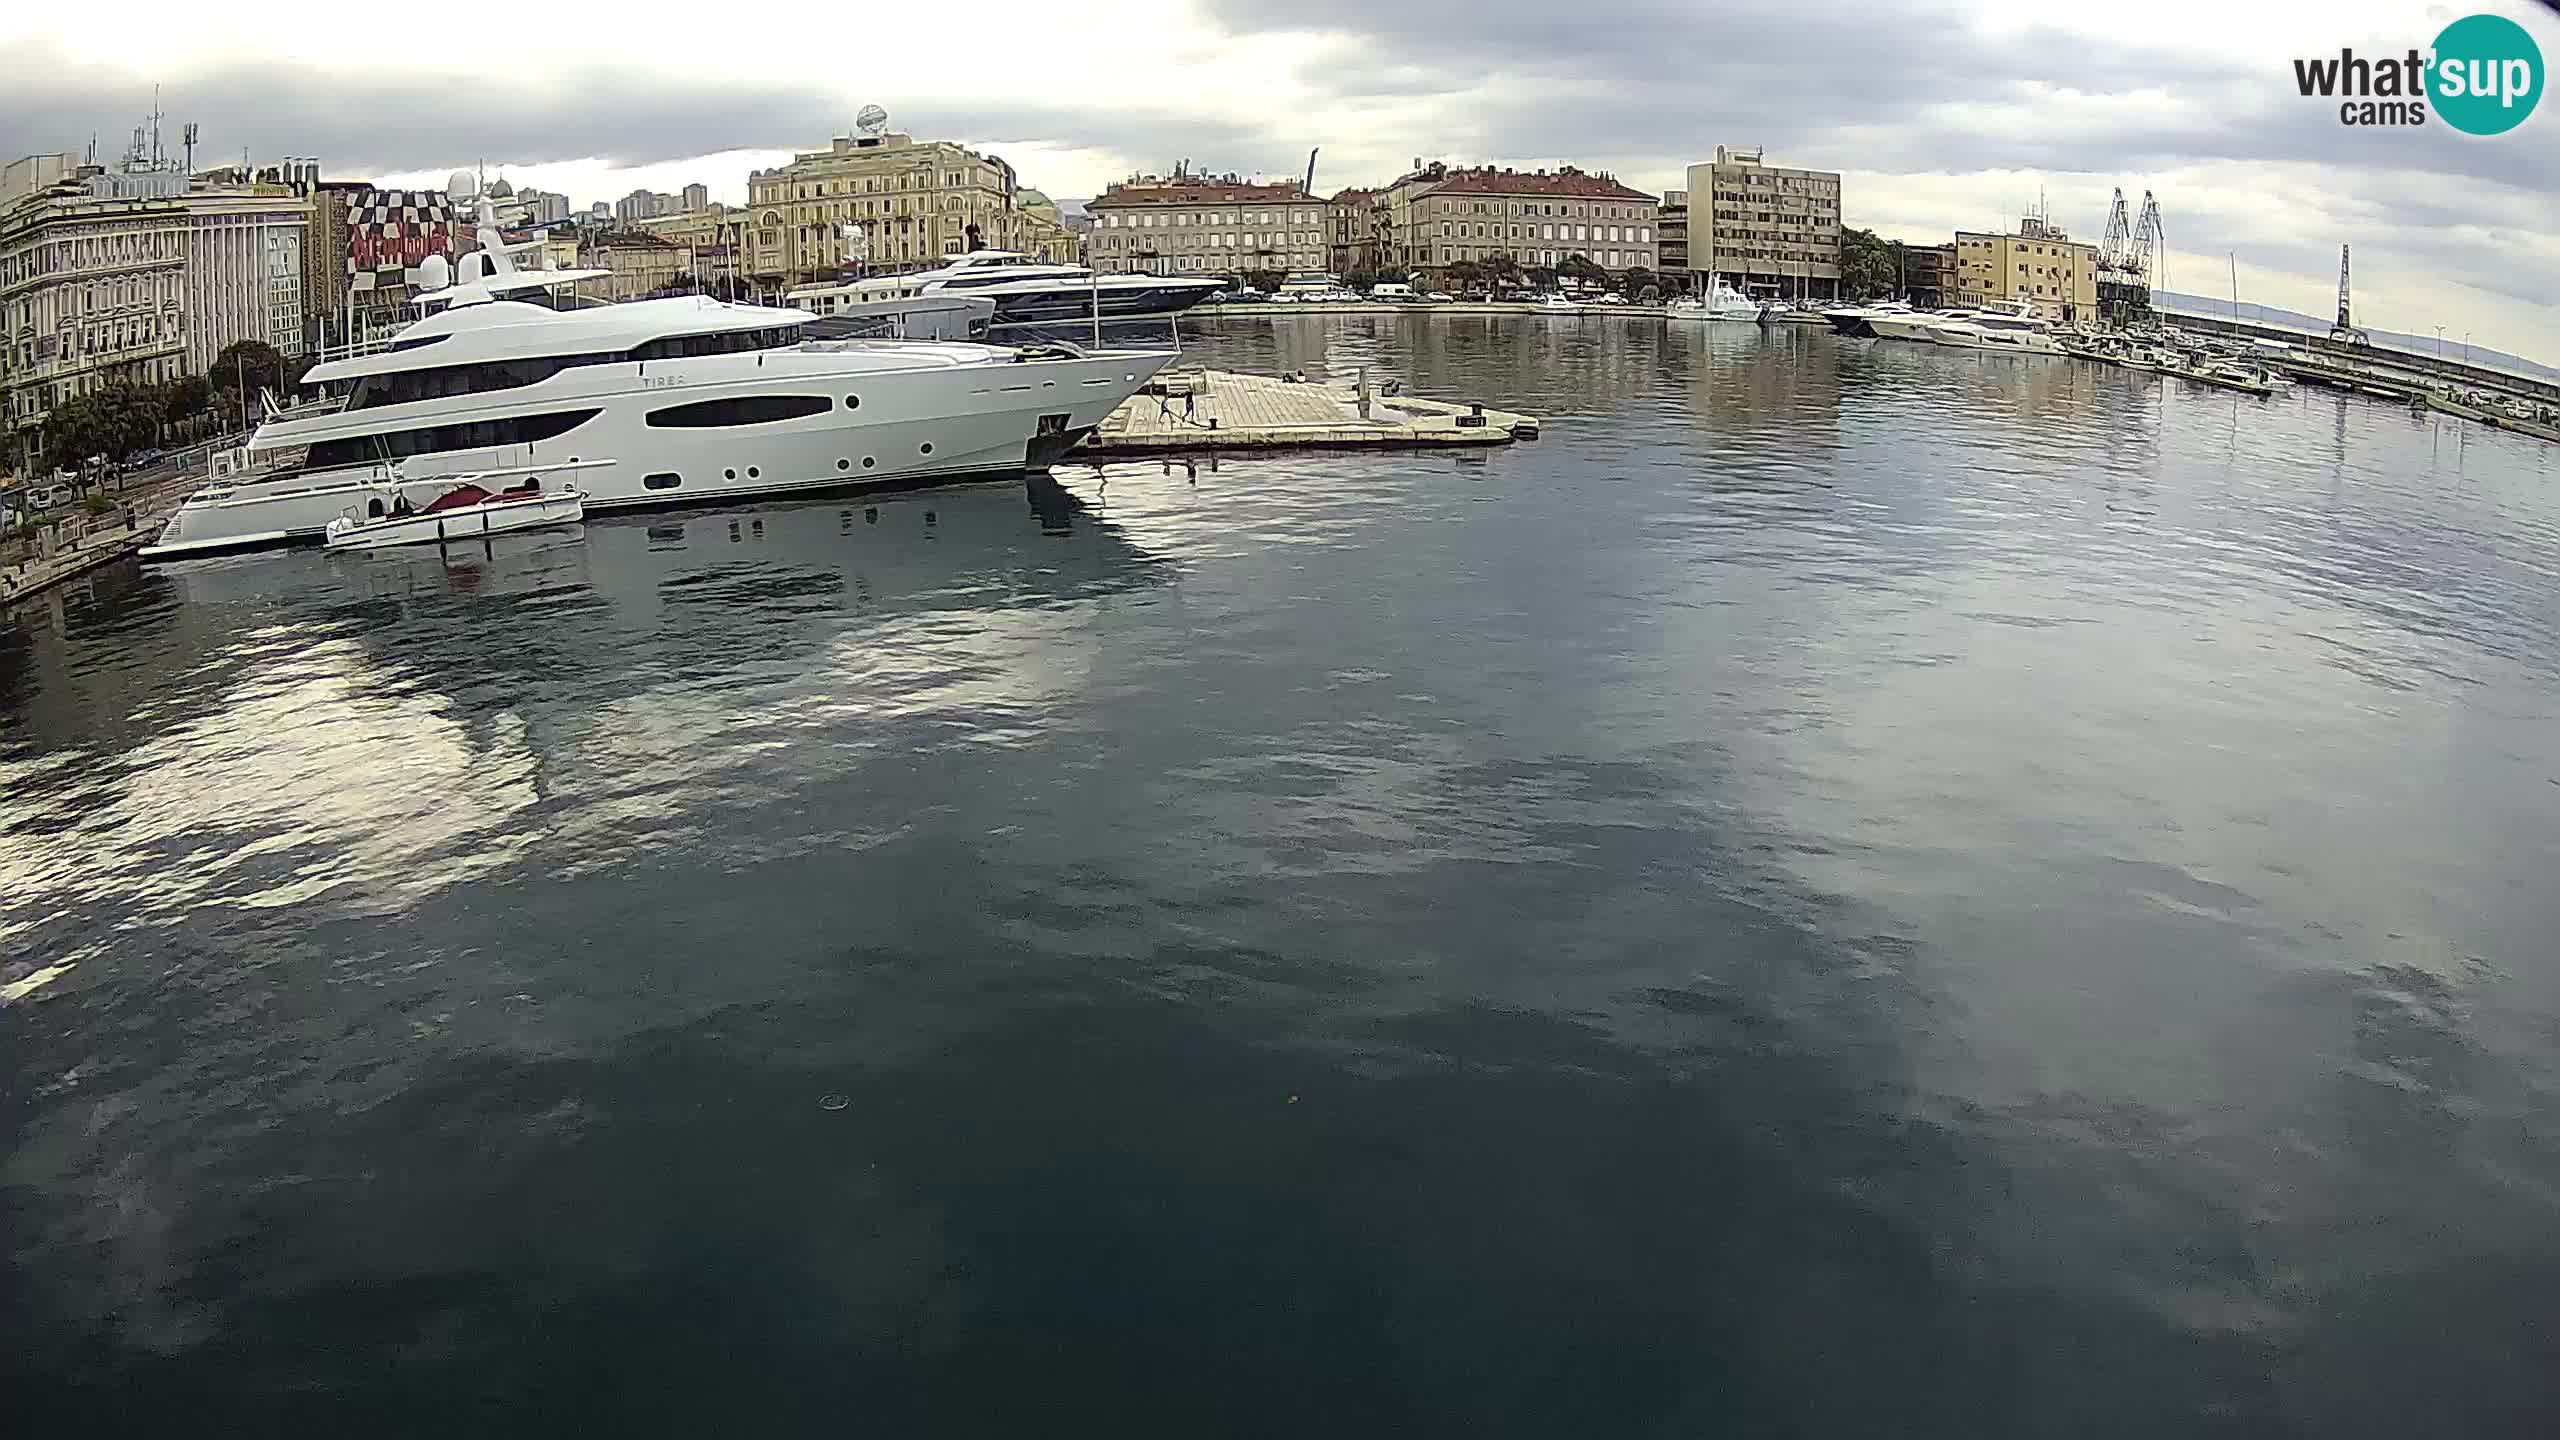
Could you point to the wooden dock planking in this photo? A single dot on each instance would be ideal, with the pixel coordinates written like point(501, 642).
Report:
point(1229, 411)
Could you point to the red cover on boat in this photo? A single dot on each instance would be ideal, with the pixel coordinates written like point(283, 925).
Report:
point(457, 498)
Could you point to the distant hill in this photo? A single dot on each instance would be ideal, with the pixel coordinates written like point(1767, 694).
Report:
point(2209, 308)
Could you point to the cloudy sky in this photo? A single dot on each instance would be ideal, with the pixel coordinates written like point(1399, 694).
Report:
point(1939, 115)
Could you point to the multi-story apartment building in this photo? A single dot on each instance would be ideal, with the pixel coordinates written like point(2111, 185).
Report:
point(1929, 275)
point(696, 196)
point(1674, 232)
point(716, 234)
point(1438, 216)
point(1764, 229)
point(1357, 240)
point(1218, 225)
point(135, 276)
point(244, 270)
point(642, 264)
point(92, 293)
point(890, 203)
point(2039, 263)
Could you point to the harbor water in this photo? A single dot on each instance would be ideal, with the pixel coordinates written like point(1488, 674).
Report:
point(1849, 889)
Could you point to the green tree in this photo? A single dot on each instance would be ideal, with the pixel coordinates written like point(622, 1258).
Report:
point(113, 421)
point(1869, 265)
point(187, 395)
point(1639, 285)
point(1579, 266)
point(1503, 269)
point(254, 363)
point(1266, 281)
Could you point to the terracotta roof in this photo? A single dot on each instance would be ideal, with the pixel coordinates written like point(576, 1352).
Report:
point(1352, 197)
point(1193, 192)
point(1514, 182)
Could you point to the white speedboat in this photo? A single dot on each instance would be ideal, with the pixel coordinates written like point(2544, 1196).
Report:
point(465, 510)
point(1995, 329)
point(1913, 324)
point(1721, 302)
point(1027, 292)
point(1859, 320)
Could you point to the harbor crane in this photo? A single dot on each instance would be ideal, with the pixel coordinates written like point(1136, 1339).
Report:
point(2150, 241)
point(2345, 330)
point(2115, 251)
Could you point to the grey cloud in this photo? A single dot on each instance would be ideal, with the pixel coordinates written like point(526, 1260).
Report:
point(1839, 84)
point(387, 122)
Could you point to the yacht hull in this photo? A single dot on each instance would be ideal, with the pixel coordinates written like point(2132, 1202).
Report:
point(1903, 327)
point(1066, 304)
point(908, 427)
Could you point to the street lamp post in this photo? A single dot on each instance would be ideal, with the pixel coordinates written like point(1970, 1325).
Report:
point(2439, 344)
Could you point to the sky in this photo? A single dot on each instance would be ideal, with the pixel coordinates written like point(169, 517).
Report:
point(1937, 115)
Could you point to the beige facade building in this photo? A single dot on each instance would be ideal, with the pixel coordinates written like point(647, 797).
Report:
point(1437, 216)
point(136, 277)
point(1357, 238)
point(1205, 225)
point(2039, 263)
point(642, 264)
point(889, 203)
point(1764, 229)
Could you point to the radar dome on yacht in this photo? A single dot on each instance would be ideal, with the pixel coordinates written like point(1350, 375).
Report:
point(462, 185)
point(434, 273)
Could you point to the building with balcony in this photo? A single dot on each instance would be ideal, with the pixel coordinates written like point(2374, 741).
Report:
point(1357, 240)
point(1764, 229)
point(1437, 216)
point(1929, 275)
point(135, 276)
point(1674, 232)
point(2039, 263)
point(1206, 225)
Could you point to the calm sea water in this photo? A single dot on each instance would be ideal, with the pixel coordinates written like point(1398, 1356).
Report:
point(1848, 890)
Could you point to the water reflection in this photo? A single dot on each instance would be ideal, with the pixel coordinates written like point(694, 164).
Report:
point(1837, 859)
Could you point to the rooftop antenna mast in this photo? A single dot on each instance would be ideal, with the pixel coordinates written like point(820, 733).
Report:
point(1311, 169)
point(158, 157)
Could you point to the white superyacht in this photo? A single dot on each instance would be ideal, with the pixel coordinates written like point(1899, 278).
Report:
point(688, 398)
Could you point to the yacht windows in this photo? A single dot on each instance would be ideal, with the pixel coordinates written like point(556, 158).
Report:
point(443, 382)
point(740, 410)
point(435, 439)
point(726, 342)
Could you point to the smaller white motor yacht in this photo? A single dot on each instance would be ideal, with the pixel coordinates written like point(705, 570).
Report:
point(1913, 324)
point(1721, 302)
point(1027, 291)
